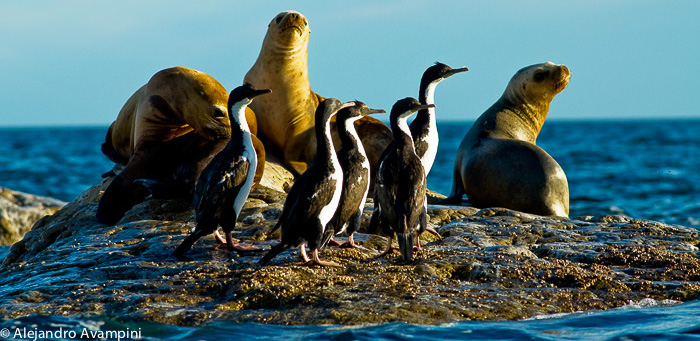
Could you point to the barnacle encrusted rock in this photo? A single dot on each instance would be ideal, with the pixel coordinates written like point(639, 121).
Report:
point(490, 264)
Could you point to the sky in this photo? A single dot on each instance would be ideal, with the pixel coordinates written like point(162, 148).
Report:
point(75, 63)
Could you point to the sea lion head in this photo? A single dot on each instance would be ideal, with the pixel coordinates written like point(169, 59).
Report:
point(288, 30)
point(538, 84)
point(213, 123)
point(210, 117)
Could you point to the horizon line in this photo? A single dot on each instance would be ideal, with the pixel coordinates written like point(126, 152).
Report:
point(444, 120)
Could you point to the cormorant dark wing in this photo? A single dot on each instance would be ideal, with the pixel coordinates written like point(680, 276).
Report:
point(217, 188)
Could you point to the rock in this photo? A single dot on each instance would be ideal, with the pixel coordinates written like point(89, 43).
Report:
point(19, 211)
point(276, 176)
point(491, 264)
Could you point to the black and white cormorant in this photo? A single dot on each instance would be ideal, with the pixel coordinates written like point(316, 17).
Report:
point(225, 183)
point(314, 197)
point(424, 127)
point(400, 184)
point(356, 173)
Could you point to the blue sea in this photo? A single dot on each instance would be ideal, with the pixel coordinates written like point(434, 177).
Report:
point(642, 169)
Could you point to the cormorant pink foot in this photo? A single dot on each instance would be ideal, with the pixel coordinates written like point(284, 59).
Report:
point(333, 242)
point(320, 262)
point(388, 249)
point(433, 232)
point(350, 244)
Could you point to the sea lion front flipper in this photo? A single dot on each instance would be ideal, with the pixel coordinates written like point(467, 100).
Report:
point(260, 169)
point(122, 194)
point(119, 197)
point(162, 189)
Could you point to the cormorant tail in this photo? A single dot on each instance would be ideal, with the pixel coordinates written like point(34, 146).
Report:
point(405, 245)
point(274, 251)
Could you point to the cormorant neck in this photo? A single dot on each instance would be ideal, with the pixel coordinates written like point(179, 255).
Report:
point(239, 124)
point(324, 142)
point(402, 134)
point(427, 96)
point(427, 92)
point(348, 134)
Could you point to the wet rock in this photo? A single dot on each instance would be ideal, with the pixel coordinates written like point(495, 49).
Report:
point(19, 211)
point(490, 264)
point(276, 177)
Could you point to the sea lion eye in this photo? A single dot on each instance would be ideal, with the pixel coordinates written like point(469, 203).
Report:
point(539, 76)
point(305, 23)
point(278, 19)
point(218, 113)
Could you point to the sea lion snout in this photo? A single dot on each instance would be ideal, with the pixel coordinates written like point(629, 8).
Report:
point(564, 75)
point(565, 69)
point(291, 20)
point(214, 131)
point(564, 72)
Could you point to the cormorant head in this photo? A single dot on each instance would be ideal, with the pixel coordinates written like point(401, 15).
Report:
point(357, 111)
point(438, 73)
point(328, 108)
point(244, 93)
point(405, 107)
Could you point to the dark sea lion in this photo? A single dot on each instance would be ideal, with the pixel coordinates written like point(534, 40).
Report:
point(167, 132)
point(498, 163)
point(286, 116)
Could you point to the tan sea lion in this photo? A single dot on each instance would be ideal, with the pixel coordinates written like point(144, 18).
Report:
point(286, 116)
point(498, 163)
point(167, 132)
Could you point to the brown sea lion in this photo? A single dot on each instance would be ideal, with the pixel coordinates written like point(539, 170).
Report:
point(167, 132)
point(286, 116)
point(498, 163)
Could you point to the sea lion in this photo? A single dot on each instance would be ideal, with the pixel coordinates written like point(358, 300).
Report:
point(498, 163)
point(167, 132)
point(286, 116)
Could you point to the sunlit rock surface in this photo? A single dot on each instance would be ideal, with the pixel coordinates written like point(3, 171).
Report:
point(491, 264)
point(19, 211)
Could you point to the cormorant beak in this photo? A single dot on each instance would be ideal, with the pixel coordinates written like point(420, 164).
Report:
point(376, 111)
point(257, 93)
point(424, 106)
point(462, 69)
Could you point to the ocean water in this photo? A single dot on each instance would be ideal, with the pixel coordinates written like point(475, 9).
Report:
point(642, 169)
point(56, 162)
point(633, 322)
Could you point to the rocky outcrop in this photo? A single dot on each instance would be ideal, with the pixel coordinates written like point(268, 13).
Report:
point(19, 211)
point(490, 264)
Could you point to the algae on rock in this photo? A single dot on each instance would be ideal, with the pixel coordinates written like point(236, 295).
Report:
point(491, 264)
